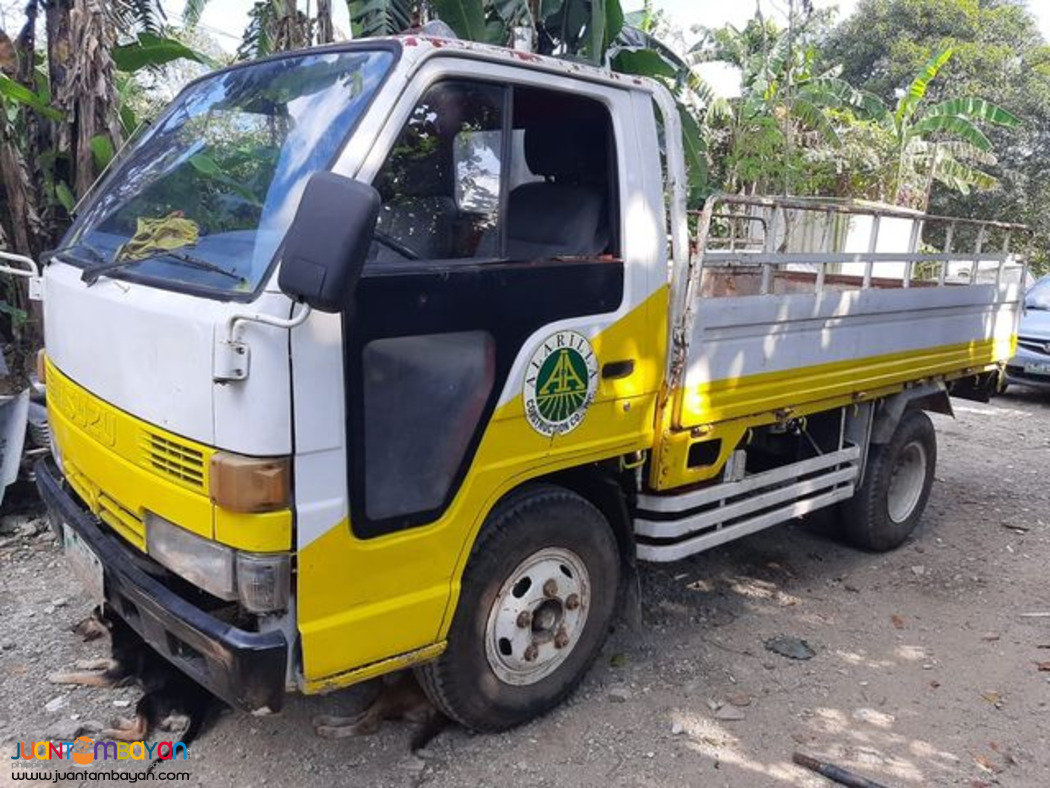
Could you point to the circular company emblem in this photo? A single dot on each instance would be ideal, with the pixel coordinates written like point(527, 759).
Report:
point(560, 383)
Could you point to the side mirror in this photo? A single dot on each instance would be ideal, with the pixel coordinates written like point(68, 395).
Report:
point(328, 241)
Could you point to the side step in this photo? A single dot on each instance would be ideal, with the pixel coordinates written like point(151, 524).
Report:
point(671, 527)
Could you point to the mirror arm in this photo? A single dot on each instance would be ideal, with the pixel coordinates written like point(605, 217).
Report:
point(269, 320)
point(233, 357)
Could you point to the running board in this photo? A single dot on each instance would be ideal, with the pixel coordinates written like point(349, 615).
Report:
point(672, 527)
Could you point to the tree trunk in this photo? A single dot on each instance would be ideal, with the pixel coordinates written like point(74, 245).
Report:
point(94, 96)
point(60, 67)
point(325, 33)
point(18, 194)
point(26, 46)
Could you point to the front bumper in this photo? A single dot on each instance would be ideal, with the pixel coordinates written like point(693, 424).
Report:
point(1016, 372)
point(245, 669)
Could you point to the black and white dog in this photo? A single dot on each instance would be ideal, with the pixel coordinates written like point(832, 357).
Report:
point(172, 701)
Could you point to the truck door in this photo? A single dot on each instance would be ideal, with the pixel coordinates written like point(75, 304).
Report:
point(472, 351)
point(494, 221)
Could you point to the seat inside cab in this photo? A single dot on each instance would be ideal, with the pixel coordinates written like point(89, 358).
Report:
point(468, 180)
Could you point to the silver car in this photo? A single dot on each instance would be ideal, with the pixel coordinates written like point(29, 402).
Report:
point(1031, 365)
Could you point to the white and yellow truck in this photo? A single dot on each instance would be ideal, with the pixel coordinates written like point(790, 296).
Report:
point(398, 354)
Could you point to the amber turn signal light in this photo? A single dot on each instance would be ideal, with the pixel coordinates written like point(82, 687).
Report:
point(251, 484)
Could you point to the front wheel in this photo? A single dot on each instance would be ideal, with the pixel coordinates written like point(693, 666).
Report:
point(889, 503)
point(537, 600)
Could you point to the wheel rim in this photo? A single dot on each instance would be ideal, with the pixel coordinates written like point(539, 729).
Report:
point(538, 616)
point(907, 480)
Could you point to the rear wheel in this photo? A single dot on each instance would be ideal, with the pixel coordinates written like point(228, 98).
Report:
point(888, 505)
point(536, 602)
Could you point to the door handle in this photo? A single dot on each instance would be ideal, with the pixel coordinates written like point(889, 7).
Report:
point(614, 370)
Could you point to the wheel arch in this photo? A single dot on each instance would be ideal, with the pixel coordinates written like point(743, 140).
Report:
point(930, 397)
point(611, 490)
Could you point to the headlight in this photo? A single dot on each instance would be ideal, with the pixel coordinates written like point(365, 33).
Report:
point(260, 581)
point(204, 563)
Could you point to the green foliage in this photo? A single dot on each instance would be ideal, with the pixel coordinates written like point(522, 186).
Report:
point(800, 126)
point(466, 17)
point(998, 53)
point(760, 140)
point(150, 51)
point(144, 15)
point(695, 157)
point(20, 94)
point(923, 155)
point(370, 18)
point(102, 150)
point(65, 197)
point(916, 91)
point(192, 11)
point(646, 62)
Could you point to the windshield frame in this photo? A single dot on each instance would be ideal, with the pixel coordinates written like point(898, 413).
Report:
point(392, 46)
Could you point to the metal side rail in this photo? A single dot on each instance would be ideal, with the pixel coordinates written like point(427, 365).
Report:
point(672, 527)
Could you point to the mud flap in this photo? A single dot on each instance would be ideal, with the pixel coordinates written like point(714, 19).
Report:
point(979, 388)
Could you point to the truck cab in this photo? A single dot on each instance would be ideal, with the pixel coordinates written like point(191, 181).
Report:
point(374, 356)
point(279, 506)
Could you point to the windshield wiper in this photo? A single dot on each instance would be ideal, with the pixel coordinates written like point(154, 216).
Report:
point(91, 275)
point(94, 255)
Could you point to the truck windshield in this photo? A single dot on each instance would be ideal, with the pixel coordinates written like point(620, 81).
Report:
point(205, 198)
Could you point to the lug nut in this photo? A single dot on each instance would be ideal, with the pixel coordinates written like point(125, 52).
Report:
point(531, 653)
point(572, 602)
point(524, 619)
point(561, 640)
point(550, 588)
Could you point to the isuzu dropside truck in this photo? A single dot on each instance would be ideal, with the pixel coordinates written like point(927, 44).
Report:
point(402, 353)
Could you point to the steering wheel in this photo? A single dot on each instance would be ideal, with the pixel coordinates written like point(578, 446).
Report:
point(392, 243)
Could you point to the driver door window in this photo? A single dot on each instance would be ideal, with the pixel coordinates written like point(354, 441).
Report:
point(441, 185)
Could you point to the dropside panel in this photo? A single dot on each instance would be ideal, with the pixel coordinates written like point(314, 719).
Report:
point(757, 354)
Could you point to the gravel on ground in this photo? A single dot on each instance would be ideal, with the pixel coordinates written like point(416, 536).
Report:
point(928, 666)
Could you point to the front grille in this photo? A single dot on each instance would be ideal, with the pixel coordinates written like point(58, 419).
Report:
point(174, 459)
point(122, 520)
point(1041, 346)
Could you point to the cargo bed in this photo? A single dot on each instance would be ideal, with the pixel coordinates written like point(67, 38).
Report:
point(792, 306)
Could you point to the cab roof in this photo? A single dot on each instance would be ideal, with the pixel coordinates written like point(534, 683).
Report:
point(420, 47)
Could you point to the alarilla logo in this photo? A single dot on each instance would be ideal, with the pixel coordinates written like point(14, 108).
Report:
point(84, 751)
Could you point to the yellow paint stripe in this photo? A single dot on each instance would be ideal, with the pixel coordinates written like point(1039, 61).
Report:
point(725, 409)
point(731, 398)
point(400, 662)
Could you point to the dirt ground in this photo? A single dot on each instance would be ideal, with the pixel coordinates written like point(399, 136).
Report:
point(926, 669)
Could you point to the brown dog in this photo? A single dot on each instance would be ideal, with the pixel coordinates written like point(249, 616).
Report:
point(401, 698)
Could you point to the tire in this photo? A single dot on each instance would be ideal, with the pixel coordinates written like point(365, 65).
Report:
point(485, 679)
point(889, 503)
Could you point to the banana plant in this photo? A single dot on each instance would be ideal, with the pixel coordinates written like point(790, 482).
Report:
point(279, 25)
point(595, 31)
point(777, 78)
point(785, 104)
point(941, 142)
